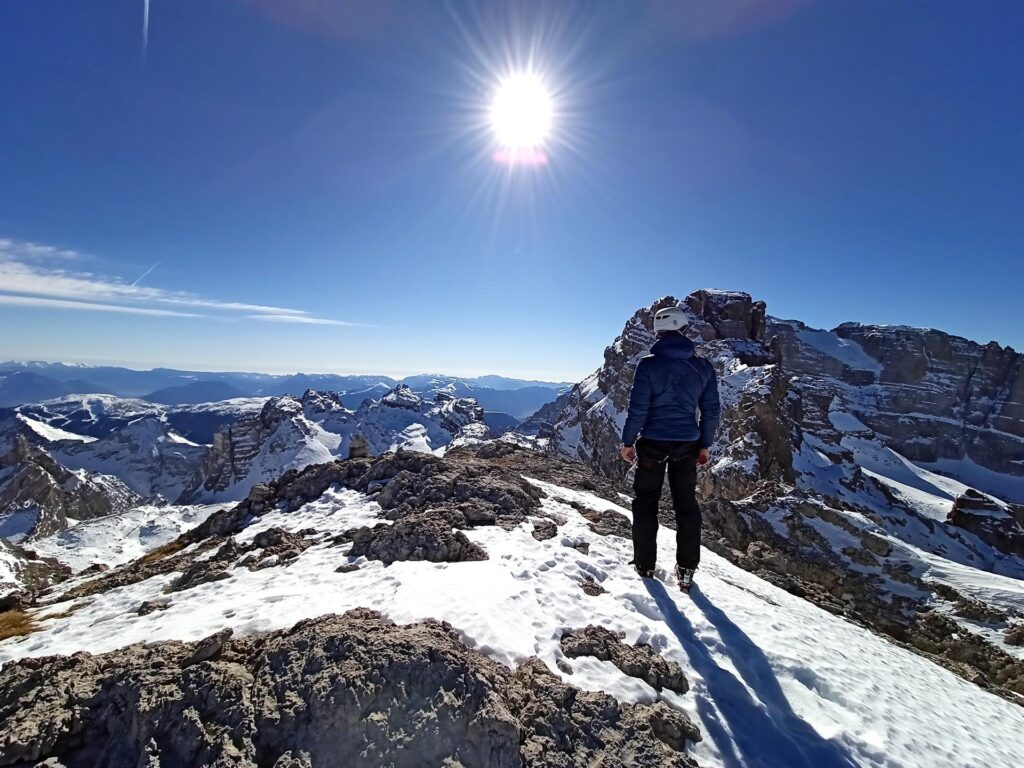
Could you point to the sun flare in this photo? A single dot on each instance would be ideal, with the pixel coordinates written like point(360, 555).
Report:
point(521, 112)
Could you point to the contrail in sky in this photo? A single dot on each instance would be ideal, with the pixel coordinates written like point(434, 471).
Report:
point(145, 27)
point(155, 265)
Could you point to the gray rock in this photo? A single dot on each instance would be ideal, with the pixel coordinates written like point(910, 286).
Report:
point(33, 483)
point(638, 661)
point(208, 648)
point(562, 726)
point(424, 536)
point(1002, 526)
point(151, 606)
point(354, 687)
point(544, 529)
point(358, 448)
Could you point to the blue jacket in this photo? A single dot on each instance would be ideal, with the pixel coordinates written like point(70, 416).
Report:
point(670, 385)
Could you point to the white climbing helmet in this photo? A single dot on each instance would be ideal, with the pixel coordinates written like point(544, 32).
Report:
point(669, 319)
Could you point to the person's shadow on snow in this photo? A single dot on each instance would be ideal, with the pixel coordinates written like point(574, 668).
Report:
point(768, 736)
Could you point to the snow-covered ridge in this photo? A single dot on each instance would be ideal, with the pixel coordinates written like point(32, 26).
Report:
point(774, 680)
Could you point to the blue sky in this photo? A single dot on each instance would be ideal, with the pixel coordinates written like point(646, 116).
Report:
point(312, 186)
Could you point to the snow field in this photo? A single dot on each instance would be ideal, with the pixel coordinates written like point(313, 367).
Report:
point(775, 680)
point(120, 538)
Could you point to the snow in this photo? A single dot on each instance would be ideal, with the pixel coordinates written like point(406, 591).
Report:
point(1007, 487)
point(775, 680)
point(8, 575)
point(847, 422)
point(18, 523)
point(117, 539)
point(927, 493)
point(52, 434)
point(844, 350)
point(174, 437)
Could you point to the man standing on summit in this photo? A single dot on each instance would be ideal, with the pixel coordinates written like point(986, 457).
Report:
point(663, 430)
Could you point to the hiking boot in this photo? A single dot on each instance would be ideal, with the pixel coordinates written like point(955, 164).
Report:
point(685, 577)
point(645, 573)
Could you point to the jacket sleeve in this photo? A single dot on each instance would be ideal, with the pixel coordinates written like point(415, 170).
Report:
point(710, 410)
point(639, 404)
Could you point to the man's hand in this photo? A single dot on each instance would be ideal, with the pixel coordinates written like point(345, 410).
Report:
point(702, 457)
point(628, 454)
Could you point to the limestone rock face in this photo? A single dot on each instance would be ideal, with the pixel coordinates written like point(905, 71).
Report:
point(146, 454)
point(944, 397)
point(1001, 525)
point(727, 315)
point(353, 686)
point(38, 495)
point(261, 446)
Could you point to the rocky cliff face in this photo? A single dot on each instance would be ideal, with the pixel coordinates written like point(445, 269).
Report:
point(147, 455)
point(943, 397)
point(292, 433)
point(261, 447)
point(994, 522)
point(38, 496)
point(932, 397)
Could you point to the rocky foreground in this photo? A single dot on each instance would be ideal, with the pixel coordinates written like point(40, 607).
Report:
point(350, 689)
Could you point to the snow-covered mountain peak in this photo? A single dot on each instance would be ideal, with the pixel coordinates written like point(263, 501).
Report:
point(402, 396)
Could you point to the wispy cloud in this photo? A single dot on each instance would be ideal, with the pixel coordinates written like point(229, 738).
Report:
point(302, 319)
point(41, 273)
point(29, 251)
point(38, 301)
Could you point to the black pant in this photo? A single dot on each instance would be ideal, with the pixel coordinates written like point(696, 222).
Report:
point(652, 458)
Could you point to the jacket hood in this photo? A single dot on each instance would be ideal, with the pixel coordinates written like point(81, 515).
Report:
point(674, 345)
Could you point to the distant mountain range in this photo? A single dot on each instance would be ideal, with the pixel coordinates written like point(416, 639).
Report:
point(31, 382)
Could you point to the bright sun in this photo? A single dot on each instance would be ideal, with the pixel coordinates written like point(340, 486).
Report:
point(521, 112)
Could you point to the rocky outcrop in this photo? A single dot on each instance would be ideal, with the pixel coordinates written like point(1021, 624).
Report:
point(261, 446)
point(355, 685)
point(38, 495)
point(447, 493)
point(944, 397)
point(998, 524)
point(423, 536)
point(726, 315)
point(270, 548)
point(23, 572)
point(563, 726)
point(639, 661)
